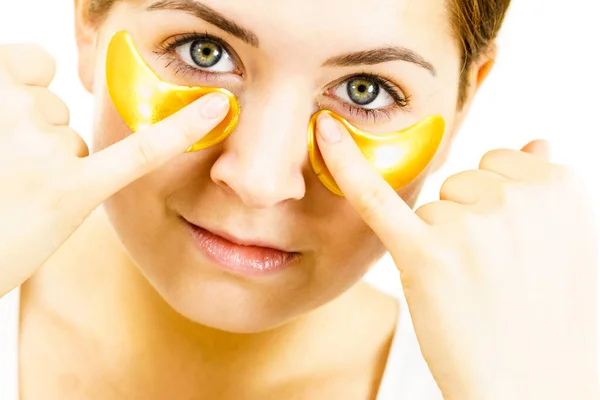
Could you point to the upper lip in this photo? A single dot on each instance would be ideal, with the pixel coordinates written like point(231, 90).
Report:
point(243, 242)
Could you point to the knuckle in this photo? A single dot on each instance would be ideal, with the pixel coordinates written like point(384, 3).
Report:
point(71, 140)
point(371, 201)
point(22, 100)
point(190, 131)
point(488, 159)
point(493, 158)
point(41, 56)
point(423, 212)
point(142, 152)
point(442, 212)
point(27, 63)
point(430, 212)
point(446, 189)
point(53, 107)
point(33, 49)
point(341, 166)
point(62, 114)
point(16, 105)
point(451, 183)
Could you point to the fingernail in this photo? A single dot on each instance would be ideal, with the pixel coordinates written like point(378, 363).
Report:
point(328, 129)
point(214, 105)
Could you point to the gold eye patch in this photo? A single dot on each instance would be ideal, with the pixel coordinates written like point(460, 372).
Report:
point(142, 98)
point(399, 157)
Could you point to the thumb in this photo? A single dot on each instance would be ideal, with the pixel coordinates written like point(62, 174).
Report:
point(540, 148)
point(111, 169)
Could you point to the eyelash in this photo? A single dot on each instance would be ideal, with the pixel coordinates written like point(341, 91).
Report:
point(401, 100)
point(167, 49)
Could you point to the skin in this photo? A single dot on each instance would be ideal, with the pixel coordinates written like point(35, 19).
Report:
point(100, 304)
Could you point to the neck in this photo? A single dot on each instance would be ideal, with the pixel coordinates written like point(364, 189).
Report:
point(100, 297)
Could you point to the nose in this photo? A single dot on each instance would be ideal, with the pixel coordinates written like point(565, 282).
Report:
point(262, 160)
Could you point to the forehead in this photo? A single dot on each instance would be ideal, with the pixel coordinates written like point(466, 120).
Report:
point(337, 26)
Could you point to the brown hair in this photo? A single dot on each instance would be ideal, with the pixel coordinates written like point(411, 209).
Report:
point(476, 23)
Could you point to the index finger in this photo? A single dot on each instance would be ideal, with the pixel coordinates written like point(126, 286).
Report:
point(116, 166)
point(371, 196)
point(27, 64)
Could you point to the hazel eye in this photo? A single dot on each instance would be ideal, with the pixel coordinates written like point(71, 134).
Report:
point(206, 55)
point(364, 92)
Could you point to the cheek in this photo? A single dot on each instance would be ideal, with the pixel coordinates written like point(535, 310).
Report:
point(138, 208)
point(348, 248)
point(123, 207)
point(157, 186)
point(109, 127)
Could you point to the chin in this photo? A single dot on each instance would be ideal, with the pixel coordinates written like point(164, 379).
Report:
point(227, 304)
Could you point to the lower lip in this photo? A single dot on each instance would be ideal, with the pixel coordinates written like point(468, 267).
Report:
point(240, 259)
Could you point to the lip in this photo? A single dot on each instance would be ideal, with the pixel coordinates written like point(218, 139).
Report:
point(242, 257)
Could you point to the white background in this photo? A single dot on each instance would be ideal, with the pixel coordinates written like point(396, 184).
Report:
point(545, 84)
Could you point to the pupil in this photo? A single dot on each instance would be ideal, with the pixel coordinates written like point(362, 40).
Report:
point(206, 54)
point(362, 91)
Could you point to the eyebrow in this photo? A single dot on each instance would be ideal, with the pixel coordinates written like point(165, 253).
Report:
point(377, 56)
point(202, 11)
point(367, 57)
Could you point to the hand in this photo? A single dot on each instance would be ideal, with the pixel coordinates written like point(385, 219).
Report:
point(499, 274)
point(49, 184)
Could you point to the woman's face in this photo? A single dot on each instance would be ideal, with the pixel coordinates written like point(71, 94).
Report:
point(284, 61)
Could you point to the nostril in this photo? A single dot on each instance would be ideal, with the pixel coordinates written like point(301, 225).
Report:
point(223, 185)
point(260, 192)
point(258, 182)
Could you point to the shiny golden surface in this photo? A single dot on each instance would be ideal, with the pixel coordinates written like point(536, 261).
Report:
point(142, 98)
point(399, 156)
